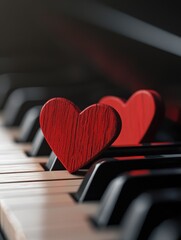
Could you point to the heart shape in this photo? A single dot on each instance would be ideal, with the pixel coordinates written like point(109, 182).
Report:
point(78, 137)
point(141, 116)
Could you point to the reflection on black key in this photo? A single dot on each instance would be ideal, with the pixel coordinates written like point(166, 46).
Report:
point(39, 146)
point(148, 211)
point(29, 125)
point(19, 102)
point(168, 229)
point(53, 163)
point(101, 174)
point(143, 150)
point(125, 188)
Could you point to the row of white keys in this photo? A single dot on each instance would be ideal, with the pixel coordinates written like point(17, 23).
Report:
point(36, 204)
point(54, 217)
point(13, 157)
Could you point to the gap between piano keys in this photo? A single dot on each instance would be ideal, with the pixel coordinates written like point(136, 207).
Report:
point(24, 212)
point(50, 191)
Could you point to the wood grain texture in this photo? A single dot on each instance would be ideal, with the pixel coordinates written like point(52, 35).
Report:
point(141, 116)
point(78, 137)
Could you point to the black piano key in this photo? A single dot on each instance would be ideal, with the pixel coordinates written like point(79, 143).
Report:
point(125, 188)
point(29, 125)
point(101, 174)
point(2, 237)
point(22, 100)
point(168, 229)
point(148, 211)
point(53, 163)
point(64, 77)
point(148, 150)
point(70, 75)
point(143, 150)
point(39, 146)
point(11, 81)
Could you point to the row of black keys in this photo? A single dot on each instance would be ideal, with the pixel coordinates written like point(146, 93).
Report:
point(25, 90)
point(156, 188)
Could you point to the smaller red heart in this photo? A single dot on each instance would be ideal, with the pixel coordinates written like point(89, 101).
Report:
point(78, 137)
point(141, 116)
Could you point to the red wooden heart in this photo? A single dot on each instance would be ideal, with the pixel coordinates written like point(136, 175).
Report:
point(141, 116)
point(78, 137)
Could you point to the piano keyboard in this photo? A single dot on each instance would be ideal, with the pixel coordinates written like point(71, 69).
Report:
point(85, 51)
point(36, 204)
point(39, 204)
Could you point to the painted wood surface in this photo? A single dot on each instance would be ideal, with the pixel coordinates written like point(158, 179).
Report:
point(141, 116)
point(78, 137)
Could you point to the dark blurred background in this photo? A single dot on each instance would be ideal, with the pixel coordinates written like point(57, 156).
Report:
point(111, 47)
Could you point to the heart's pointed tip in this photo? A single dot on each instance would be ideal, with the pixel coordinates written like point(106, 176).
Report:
point(73, 171)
